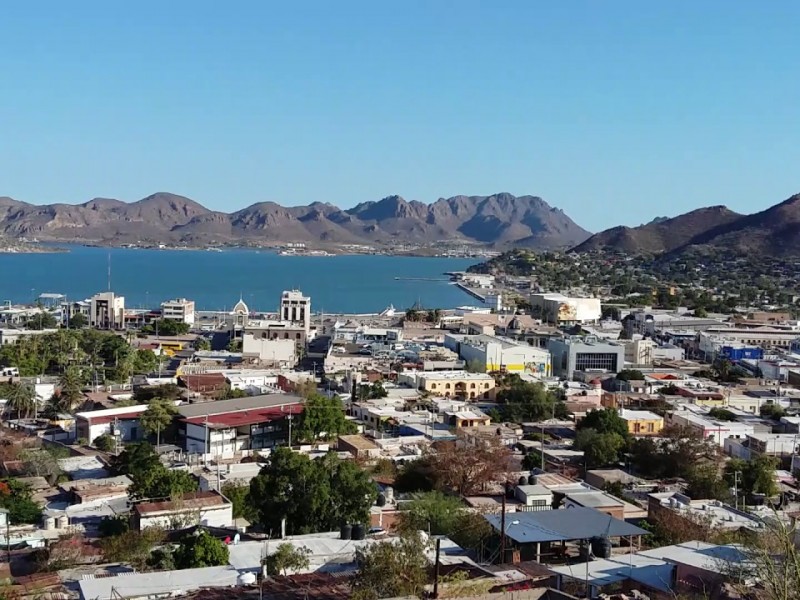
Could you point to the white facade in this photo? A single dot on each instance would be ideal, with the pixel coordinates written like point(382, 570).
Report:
point(296, 309)
point(107, 311)
point(208, 516)
point(281, 352)
point(495, 354)
point(639, 352)
point(179, 309)
point(10, 336)
point(560, 309)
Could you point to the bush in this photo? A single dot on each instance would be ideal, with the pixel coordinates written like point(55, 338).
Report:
point(105, 443)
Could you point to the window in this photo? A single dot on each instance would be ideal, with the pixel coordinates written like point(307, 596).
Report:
point(486, 395)
point(433, 386)
point(285, 335)
point(651, 427)
point(297, 336)
point(447, 386)
point(486, 386)
point(472, 385)
point(600, 360)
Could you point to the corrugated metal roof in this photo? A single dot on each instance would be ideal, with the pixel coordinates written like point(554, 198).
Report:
point(562, 525)
point(225, 406)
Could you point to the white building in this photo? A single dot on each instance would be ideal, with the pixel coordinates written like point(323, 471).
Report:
point(707, 427)
point(107, 311)
point(157, 584)
point(122, 422)
point(639, 351)
point(494, 353)
point(562, 310)
point(275, 352)
point(179, 309)
point(296, 309)
point(210, 509)
point(10, 336)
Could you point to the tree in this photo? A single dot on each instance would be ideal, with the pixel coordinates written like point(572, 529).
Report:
point(433, 512)
point(42, 320)
point(202, 343)
point(599, 449)
point(135, 460)
point(17, 498)
point(522, 401)
point(721, 414)
point(168, 327)
point(772, 411)
point(158, 416)
point(757, 475)
point(144, 361)
point(287, 559)
point(78, 321)
point(20, 399)
point(607, 420)
point(323, 418)
point(161, 482)
point(234, 345)
point(113, 526)
point(630, 375)
point(700, 312)
point(239, 495)
point(169, 391)
point(200, 549)
point(70, 388)
point(391, 569)
point(611, 312)
point(105, 443)
point(417, 476)
point(312, 495)
point(464, 469)
point(38, 462)
point(132, 546)
point(669, 390)
point(704, 483)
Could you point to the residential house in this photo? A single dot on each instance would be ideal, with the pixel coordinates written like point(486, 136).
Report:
point(642, 422)
point(209, 509)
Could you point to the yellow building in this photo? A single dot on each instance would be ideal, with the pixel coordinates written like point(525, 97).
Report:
point(642, 422)
point(458, 384)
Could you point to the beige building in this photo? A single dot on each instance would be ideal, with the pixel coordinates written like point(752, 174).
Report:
point(457, 384)
point(179, 309)
point(107, 311)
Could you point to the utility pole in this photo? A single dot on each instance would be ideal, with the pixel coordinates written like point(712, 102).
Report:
point(503, 531)
point(436, 568)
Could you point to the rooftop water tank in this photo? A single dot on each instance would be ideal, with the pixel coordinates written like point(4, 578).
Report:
point(359, 531)
point(346, 532)
point(246, 579)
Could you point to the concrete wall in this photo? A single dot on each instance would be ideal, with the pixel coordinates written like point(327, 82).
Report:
point(216, 516)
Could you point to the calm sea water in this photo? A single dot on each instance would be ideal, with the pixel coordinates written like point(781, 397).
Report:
point(215, 280)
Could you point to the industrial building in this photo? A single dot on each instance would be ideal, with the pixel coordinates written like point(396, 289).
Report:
point(494, 353)
point(588, 353)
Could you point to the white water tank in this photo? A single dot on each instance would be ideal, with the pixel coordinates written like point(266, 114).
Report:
point(49, 523)
point(388, 493)
point(62, 522)
point(246, 579)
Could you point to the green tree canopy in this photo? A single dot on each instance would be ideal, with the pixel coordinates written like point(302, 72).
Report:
point(312, 495)
point(522, 401)
point(606, 420)
point(17, 498)
point(239, 495)
point(756, 476)
point(167, 327)
point(287, 559)
point(20, 399)
point(722, 414)
point(158, 417)
point(323, 418)
point(630, 375)
point(200, 549)
point(392, 569)
point(599, 449)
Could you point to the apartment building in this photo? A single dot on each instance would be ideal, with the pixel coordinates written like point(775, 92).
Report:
point(179, 309)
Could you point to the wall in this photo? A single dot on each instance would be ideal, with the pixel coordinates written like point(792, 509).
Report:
point(278, 351)
point(216, 516)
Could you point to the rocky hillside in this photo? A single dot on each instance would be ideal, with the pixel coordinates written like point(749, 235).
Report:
point(500, 220)
point(773, 232)
point(660, 235)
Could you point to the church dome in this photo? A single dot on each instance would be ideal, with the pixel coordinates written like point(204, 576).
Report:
point(241, 308)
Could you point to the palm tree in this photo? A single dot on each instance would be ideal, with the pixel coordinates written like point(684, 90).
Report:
point(21, 399)
point(71, 384)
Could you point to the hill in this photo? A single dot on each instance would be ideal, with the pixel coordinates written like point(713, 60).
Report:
point(661, 235)
point(501, 220)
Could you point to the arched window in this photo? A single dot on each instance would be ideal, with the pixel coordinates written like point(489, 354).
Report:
point(447, 386)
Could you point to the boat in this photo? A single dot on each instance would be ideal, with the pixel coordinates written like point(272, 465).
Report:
point(389, 311)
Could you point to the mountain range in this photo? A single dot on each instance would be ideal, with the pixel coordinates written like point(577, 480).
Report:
point(771, 232)
point(500, 220)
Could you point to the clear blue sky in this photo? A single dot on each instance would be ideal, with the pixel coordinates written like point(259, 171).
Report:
point(614, 111)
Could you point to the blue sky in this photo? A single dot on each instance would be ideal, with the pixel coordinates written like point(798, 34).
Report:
point(615, 111)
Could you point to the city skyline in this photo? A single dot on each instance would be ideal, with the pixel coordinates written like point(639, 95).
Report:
point(648, 110)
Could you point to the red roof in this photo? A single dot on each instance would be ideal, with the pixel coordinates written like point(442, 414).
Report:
point(204, 382)
point(250, 416)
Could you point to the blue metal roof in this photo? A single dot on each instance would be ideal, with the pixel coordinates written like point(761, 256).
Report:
point(565, 524)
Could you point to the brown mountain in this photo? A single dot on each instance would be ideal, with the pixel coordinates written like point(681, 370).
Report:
point(771, 232)
point(661, 235)
point(500, 219)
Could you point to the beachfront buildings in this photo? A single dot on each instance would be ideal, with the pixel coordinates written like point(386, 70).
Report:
point(587, 353)
point(494, 353)
point(107, 311)
point(179, 309)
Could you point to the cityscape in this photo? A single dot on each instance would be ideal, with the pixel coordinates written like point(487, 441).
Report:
point(381, 301)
